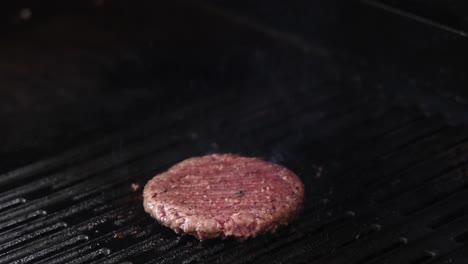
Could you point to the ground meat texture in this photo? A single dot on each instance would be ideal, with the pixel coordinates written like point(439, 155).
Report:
point(224, 195)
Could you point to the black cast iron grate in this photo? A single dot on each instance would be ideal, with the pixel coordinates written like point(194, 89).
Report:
point(385, 184)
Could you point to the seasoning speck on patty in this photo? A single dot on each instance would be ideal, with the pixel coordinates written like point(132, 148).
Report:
point(224, 195)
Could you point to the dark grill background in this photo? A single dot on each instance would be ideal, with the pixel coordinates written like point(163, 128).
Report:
point(95, 99)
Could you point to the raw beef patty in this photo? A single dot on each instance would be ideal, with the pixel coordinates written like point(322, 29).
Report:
point(224, 195)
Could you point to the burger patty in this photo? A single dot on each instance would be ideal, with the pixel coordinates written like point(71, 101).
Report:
point(224, 195)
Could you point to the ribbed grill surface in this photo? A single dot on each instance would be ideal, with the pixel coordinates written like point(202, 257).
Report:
point(385, 183)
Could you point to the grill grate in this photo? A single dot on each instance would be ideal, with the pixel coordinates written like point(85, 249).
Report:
point(388, 185)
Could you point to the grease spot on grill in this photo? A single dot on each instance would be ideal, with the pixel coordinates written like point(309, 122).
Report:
point(376, 227)
point(319, 171)
point(350, 213)
point(118, 235)
point(403, 240)
point(133, 199)
point(431, 254)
